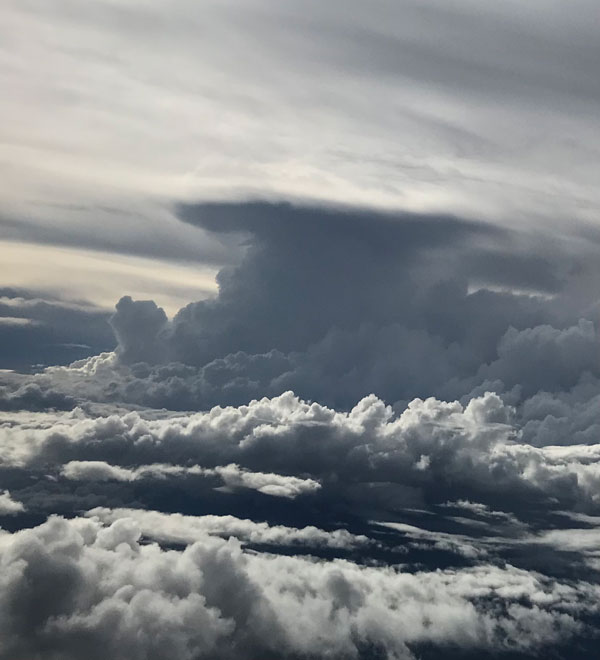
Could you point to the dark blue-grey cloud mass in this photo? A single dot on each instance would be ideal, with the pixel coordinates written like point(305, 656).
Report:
point(336, 304)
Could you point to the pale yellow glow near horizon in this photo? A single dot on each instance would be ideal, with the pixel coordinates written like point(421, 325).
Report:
point(102, 278)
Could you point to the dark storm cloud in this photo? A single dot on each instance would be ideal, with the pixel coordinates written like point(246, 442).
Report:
point(336, 304)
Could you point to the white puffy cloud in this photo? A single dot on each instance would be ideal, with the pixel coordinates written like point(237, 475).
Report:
point(97, 471)
point(75, 587)
point(296, 444)
point(8, 506)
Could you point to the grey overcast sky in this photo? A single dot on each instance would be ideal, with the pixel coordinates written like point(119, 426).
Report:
point(114, 110)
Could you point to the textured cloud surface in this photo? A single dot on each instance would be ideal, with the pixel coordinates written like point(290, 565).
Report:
point(379, 440)
point(299, 330)
point(107, 593)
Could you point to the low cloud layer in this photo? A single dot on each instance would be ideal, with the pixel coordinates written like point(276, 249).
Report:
point(433, 447)
point(107, 593)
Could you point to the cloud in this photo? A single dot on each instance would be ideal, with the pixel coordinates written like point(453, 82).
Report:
point(379, 436)
point(232, 476)
point(129, 319)
point(545, 358)
point(336, 304)
point(97, 471)
point(445, 449)
point(8, 506)
point(51, 330)
point(69, 273)
point(459, 544)
point(175, 528)
point(32, 396)
point(421, 107)
point(96, 587)
point(482, 511)
point(270, 484)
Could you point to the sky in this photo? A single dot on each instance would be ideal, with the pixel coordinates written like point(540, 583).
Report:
point(299, 330)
